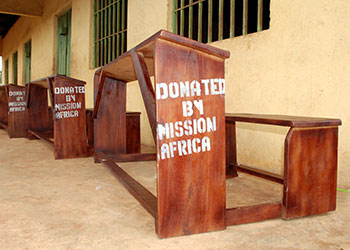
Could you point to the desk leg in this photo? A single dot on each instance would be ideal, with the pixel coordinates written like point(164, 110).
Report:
point(310, 171)
point(231, 150)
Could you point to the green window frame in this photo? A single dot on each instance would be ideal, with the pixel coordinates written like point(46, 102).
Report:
point(110, 30)
point(212, 20)
point(6, 71)
point(15, 67)
point(63, 43)
point(27, 61)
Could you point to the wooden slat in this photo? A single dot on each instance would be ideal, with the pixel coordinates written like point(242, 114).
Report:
point(118, 29)
point(101, 82)
point(147, 90)
point(145, 197)
point(133, 157)
point(245, 17)
point(41, 136)
point(260, 173)
point(249, 214)
point(282, 120)
point(232, 18)
point(3, 125)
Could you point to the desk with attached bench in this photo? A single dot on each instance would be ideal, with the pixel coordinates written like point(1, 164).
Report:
point(67, 97)
point(310, 167)
point(13, 115)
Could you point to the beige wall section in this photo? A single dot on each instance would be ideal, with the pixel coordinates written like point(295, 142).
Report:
point(140, 27)
point(297, 67)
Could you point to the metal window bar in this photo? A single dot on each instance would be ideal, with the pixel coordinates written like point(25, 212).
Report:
point(179, 18)
point(110, 20)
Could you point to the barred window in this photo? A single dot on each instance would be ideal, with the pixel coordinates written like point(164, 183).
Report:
point(212, 20)
point(110, 18)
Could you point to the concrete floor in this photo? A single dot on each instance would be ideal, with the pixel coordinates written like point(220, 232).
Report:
point(76, 204)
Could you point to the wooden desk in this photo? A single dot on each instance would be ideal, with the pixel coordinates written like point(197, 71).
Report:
point(3, 108)
point(186, 114)
point(67, 97)
point(310, 166)
point(13, 115)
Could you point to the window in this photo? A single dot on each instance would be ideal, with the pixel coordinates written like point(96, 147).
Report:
point(212, 20)
point(27, 61)
point(6, 71)
point(110, 18)
point(14, 67)
point(63, 43)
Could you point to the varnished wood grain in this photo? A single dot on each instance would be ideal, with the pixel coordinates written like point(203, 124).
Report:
point(191, 188)
point(3, 107)
point(17, 120)
point(282, 120)
point(231, 151)
point(249, 214)
point(70, 133)
point(310, 172)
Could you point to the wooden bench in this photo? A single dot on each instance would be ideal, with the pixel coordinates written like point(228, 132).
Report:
point(310, 167)
point(13, 115)
point(67, 98)
point(189, 88)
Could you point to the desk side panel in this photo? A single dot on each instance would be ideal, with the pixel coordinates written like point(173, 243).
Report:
point(3, 106)
point(17, 112)
point(110, 130)
point(190, 140)
point(70, 119)
point(310, 172)
point(38, 116)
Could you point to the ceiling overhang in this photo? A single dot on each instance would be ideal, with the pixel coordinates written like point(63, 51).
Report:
point(22, 7)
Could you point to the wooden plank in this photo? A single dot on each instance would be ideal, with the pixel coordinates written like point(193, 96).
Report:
point(70, 119)
point(310, 172)
point(231, 150)
point(133, 133)
point(3, 126)
point(260, 173)
point(147, 90)
point(110, 129)
point(41, 136)
point(190, 200)
point(249, 214)
point(282, 120)
point(101, 81)
point(38, 116)
point(17, 111)
point(3, 106)
point(131, 157)
point(145, 197)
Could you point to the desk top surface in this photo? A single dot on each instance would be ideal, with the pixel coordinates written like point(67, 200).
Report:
point(282, 120)
point(43, 82)
point(122, 67)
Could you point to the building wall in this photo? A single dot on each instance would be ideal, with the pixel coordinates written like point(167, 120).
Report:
point(297, 67)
